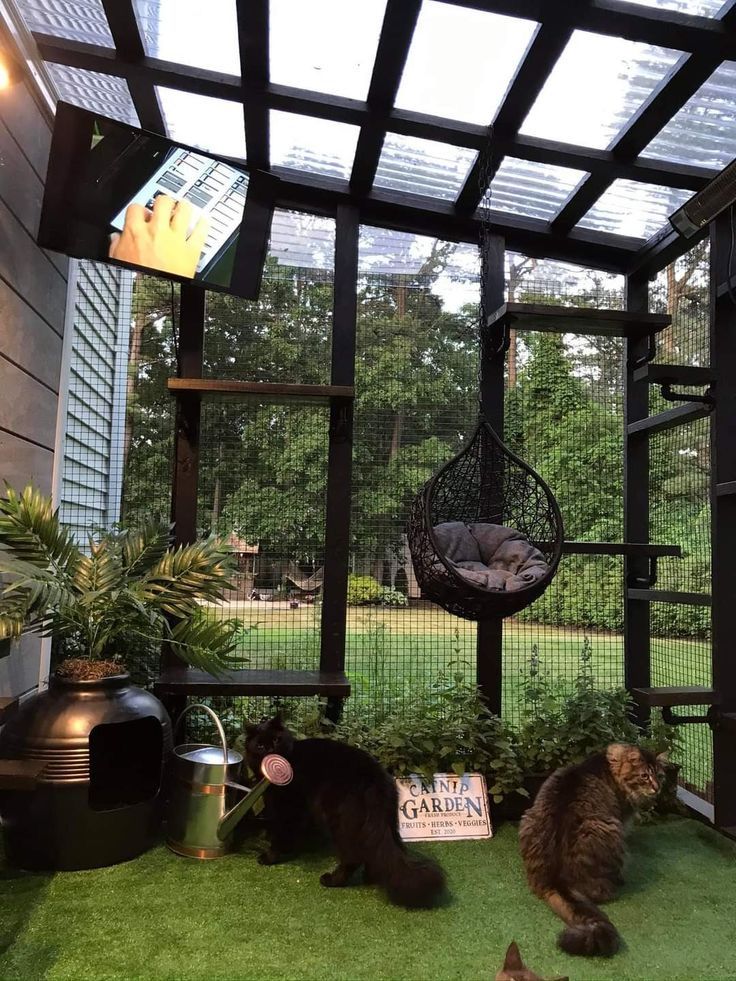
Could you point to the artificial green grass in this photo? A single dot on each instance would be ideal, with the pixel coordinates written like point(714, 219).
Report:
point(161, 916)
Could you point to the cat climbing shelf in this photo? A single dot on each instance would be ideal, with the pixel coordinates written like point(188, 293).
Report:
point(266, 391)
point(180, 680)
point(578, 320)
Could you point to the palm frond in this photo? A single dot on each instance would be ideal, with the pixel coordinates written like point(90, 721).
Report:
point(144, 547)
point(206, 643)
point(29, 526)
point(101, 570)
point(187, 575)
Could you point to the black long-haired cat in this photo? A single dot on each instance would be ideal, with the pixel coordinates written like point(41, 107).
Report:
point(572, 840)
point(354, 799)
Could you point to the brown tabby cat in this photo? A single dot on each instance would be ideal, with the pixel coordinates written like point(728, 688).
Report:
point(572, 840)
point(514, 968)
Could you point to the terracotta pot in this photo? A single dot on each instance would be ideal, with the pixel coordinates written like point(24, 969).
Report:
point(98, 800)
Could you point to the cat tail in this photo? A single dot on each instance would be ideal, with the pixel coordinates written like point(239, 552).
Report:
point(409, 880)
point(589, 932)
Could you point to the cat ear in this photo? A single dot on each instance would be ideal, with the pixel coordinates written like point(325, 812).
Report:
point(250, 729)
point(277, 722)
point(663, 758)
point(513, 961)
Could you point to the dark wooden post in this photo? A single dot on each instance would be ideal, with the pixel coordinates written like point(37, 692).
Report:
point(340, 457)
point(723, 517)
point(186, 439)
point(637, 661)
point(489, 645)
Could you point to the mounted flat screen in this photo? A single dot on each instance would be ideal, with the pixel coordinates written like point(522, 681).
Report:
point(118, 194)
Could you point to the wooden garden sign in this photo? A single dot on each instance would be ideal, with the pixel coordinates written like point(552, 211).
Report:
point(448, 807)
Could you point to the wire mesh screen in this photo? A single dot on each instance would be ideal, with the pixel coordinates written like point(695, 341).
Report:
point(262, 486)
point(147, 458)
point(118, 442)
point(263, 465)
point(680, 508)
point(416, 402)
point(564, 416)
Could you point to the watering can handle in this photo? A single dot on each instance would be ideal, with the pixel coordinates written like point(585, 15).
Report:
point(218, 724)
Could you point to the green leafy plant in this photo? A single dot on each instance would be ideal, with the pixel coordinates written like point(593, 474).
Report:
point(392, 597)
point(127, 588)
point(564, 726)
point(363, 590)
point(446, 728)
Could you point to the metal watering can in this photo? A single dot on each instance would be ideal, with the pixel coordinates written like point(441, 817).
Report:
point(204, 807)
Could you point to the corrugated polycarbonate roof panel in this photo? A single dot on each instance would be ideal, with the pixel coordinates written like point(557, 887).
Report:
point(595, 88)
point(523, 187)
point(105, 94)
point(211, 124)
point(461, 62)
point(703, 132)
point(325, 45)
point(699, 8)
point(436, 170)
point(82, 20)
point(634, 209)
point(312, 145)
point(201, 33)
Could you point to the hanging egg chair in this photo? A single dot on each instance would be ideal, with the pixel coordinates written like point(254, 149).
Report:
point(485, 532)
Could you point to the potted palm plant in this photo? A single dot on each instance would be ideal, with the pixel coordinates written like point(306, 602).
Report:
point(101, 740)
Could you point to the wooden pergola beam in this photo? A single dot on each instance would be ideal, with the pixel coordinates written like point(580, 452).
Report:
point(129, 47)
point(340, 109)
point(253, 34)
point(393, 50)
point(619, 18)
point(546, 46)
point(682, 82)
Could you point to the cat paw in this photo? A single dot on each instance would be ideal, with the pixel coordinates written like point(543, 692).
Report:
point(327, 880)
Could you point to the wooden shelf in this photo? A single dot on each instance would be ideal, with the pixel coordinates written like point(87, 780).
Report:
point(181, 680)
point(673, 374)
point(726, 489)
point(265, 391)
point(685, 695)
point(20, 774)
point(629, 549)
point(679, 416)
point(579, 320)
point(669, 596)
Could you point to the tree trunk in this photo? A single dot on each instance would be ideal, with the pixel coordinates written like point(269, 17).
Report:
point(396, 435)
point(215, 507)
point(512, 360)
point(667, 337)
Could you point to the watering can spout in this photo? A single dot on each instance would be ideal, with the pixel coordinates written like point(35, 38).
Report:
point(276, 770)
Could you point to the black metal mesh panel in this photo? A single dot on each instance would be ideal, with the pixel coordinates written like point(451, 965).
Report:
point(682, 291)
point(564, 416)
point(147, 458)
point(262, 485)
point(680, 508)
point(416, 388)
point(285, 335)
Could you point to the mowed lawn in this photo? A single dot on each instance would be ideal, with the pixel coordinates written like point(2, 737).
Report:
point(391, 652)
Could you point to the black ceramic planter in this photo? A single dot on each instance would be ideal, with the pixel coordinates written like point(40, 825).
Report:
point(98, 800)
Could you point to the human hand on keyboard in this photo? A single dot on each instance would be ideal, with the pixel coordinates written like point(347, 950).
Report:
point(157, 238)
